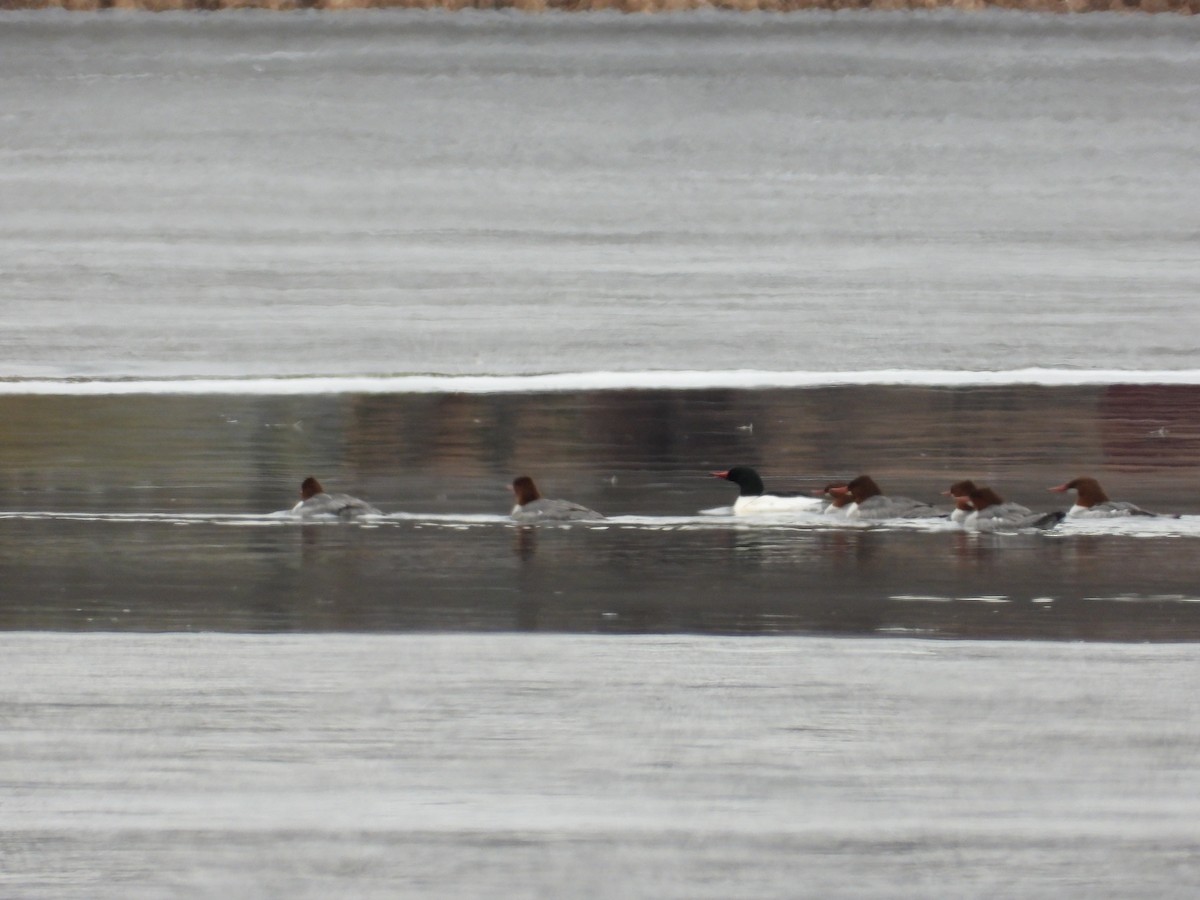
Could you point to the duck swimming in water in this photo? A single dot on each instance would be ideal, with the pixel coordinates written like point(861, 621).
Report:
point(753, 498)
point(1092, 503)
point(533, 507)
point(960, 491)
point(871, 503)
point(840, 501)
point(991, 512)
point(314, 501)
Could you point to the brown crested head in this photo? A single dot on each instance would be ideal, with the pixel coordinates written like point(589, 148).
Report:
point(1088, 489)
point(838, 494)
point(309, 488)
point(525, 490)
point(983, 497)
point(863, 488)
point(961, 492)
point(959, 489)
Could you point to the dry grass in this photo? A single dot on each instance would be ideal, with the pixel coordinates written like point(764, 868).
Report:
point(1183, 7)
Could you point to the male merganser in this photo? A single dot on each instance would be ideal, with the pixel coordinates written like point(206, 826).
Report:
point(1092, 503)
point(315, 502)
point(533, 507)
point(870, 503)
point(960, 491)
point(993, 513)
point(754, 500)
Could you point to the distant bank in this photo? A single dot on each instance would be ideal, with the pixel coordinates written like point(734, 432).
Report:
point(1183, 7)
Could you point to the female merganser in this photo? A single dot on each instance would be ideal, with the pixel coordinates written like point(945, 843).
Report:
point(1092, 503)
point(840, 500)
point(870, 503)
point(960, 491)
point(533, 507)
point(993, 513)
point(315, 502)
point(753, 499)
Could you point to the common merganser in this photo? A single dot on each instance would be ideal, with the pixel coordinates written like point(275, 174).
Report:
point(533, 507)
point(870, 503)
point(840, 500)
point(960, 491)
point(315, 502)
point(1092, 503)
point(992, 512)
point(754, 500)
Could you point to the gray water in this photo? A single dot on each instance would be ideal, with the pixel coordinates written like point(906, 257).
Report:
point(672, 702)
point(153, 513)
point(397, 192)
point(468, 766)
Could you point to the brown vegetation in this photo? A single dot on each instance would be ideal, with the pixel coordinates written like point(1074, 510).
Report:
point(1185, 7)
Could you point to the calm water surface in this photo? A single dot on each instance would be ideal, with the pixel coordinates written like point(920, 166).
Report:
point(152, 513)
point(593, 766)
point(655, 705)
point(301, 195)
point(382, 192)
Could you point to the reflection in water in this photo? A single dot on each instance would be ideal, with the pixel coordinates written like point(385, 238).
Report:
point(974, 550)
point(530, 590)
point(726, 578)
point(457, 453)
point(525, 542)
point(758, 547)
point(448, 557)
